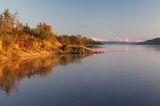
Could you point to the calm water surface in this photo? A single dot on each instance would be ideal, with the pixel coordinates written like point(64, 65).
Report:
point(122, 76)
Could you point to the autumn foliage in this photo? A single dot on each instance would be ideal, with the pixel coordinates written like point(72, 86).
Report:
point(16, 36)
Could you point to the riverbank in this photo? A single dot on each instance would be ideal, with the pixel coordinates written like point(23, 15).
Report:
point(17, 54)
point(23, 55)
point(18, 40)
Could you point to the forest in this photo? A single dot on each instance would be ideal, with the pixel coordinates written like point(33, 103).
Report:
point(17, 38)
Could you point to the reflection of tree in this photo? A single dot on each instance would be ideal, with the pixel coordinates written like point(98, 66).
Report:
point(12, 72)
point(65, 59)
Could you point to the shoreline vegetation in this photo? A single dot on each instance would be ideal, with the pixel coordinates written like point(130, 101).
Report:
point(18, 40)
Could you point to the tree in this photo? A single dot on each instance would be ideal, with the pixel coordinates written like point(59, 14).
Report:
point(44, 31)
point(27, 30)
point(64, 39)
point(7, 22)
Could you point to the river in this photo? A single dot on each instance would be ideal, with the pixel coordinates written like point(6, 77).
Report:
point(125, 75)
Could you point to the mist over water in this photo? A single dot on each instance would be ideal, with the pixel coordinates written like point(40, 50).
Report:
point(122, 76)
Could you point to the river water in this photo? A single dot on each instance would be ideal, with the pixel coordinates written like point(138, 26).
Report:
point(123, 76)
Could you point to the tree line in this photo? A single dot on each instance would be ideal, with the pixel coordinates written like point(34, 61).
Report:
point(15, 33)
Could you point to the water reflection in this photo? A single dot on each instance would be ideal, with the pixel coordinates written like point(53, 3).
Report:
point(11, 72)
point(153, 47)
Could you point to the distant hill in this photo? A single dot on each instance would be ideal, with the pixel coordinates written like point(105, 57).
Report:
point(155, 41)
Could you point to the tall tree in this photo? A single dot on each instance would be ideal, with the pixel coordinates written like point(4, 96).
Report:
point(44, 31)
point(7, 22)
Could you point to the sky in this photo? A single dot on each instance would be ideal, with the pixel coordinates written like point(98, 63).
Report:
point(128, 19)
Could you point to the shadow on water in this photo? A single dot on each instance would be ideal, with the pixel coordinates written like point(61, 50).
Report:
point(12, 72)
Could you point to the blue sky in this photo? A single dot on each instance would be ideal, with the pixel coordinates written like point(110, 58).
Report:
point(101, 18)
